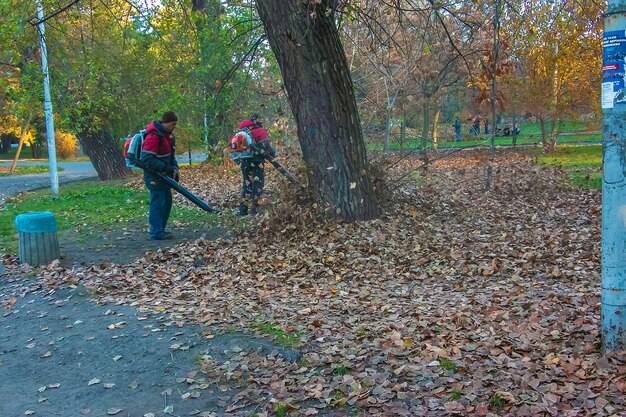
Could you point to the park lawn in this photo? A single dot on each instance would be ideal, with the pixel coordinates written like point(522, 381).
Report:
point(85, 209)
point(26, 170)
point(564, 127)
point(415, 143)
point(27, 155)
point(584, 163)
point(570, 132)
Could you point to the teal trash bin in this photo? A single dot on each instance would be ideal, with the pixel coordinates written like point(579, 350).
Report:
point(37, 235)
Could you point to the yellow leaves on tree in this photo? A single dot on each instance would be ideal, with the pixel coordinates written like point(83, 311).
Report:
point(66, 144)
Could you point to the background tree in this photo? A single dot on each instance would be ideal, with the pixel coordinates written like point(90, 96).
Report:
point(20, 75)
point(553, 52)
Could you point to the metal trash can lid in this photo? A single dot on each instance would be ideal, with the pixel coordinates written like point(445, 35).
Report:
point(38, 222)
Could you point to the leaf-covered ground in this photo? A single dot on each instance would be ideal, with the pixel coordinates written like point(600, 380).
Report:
point(456, 302)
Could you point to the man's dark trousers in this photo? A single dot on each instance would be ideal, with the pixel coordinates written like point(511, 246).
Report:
point(160, 208)
point(253, 174)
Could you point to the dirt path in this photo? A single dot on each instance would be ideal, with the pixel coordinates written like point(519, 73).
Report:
point(124, 246)
point(64, 353)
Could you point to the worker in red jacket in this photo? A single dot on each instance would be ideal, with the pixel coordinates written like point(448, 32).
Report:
point(252, 168)
point(157, 154)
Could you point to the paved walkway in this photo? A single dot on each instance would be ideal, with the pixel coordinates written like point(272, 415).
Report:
point(72, 171)
point(64, 353)
point(15, 184)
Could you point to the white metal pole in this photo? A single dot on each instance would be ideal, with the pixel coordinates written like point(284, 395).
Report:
point(47, 105)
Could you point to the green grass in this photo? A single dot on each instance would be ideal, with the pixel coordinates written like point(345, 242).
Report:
point(575, 157)
point(591, 180)
point(414, 143)
point(455, 396)
point(26, 170)
point(281, 409)
point(340, 369)
point(447, 364)
point(570, 132)
point(497, 402)
point(564, 126)
point(24, 154)
point(86, 209)
point(583, 162)
point(281, 337)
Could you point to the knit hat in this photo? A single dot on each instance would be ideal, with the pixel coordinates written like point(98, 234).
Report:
point(169, 117)
point(245, 123)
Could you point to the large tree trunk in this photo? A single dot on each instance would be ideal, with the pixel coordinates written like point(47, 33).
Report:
point(104, 154)
point(306, 43)
point(5, 142)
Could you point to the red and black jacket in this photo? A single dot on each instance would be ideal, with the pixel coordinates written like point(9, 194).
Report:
point(157, 151)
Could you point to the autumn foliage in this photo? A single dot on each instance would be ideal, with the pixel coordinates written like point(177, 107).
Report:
point(66, 145)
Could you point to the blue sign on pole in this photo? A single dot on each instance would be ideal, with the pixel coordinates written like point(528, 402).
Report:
point(613, 75)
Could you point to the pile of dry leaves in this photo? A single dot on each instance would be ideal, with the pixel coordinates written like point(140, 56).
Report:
point(456, 301)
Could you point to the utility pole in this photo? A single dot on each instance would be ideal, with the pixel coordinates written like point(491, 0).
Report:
point(613, 181)
point(47, 105)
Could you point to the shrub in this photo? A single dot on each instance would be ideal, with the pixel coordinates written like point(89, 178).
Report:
point(66, 145)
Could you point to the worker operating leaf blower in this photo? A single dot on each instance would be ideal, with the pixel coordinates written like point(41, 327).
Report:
point(153, 150)
point(250, 147)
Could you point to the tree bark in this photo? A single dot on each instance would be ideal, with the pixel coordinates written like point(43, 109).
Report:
point(23, 130)
point(402, 131)
point(102, 150)
point(387, 131)
point(5, 142)
point(313, 64)
point(425, 123)
point(435, 126)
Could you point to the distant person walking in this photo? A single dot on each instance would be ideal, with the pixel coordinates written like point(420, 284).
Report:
point(457, 129)
point(486, 126)
point(515, 133)
point(157, 154)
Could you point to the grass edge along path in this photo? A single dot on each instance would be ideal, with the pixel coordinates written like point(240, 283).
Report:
point(27, 170)
point(85, 209)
